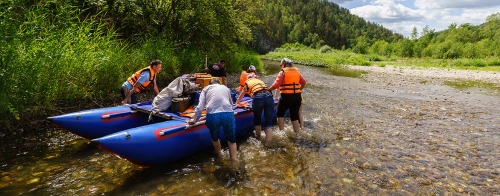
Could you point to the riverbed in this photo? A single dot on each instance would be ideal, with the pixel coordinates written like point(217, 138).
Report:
point(365, 133)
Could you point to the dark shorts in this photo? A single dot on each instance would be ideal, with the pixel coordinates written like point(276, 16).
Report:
point(133, 97)
point(289, 102)
point(263, 102)
point(224, 119)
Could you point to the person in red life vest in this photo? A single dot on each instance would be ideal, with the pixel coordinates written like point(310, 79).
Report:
point(262, 100)
point(290, 83)
point(138, 81)
point(244, 75)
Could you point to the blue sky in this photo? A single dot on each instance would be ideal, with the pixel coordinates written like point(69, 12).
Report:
point(402, 15)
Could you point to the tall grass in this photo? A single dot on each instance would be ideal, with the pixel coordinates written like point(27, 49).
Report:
point(52, 54)
point(49, 52)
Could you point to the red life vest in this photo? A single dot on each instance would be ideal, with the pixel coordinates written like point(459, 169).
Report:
point(291, 81)
point(133, 79)
point(255, 85)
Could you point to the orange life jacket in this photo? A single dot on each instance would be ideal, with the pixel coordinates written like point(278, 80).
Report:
point(243, 78)
point(291, 81)
point(133, 79)
point(190, 113)
point(255, 85)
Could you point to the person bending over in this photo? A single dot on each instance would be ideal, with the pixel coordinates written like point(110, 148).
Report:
point(262, 100)
point(138, 81)
point(216, 98)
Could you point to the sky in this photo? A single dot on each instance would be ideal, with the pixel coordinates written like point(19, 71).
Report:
point(401, 16)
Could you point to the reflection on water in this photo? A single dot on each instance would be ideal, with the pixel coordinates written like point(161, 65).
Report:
point(360, 137)
point(342, 72)
point(468, 85)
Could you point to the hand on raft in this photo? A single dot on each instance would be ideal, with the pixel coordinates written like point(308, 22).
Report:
point(191, 122)
point(240, 104)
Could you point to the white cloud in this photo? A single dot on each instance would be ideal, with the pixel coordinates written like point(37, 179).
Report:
point(438, 14)
point(475, 17)
point(385, 11)
point(466, 4)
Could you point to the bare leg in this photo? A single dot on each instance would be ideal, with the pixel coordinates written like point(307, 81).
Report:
point(300, 117)
point(233, 151)
point(217, 147)
point(296, 126)
point(257, 131)
point(269, 134)
point(281, 123)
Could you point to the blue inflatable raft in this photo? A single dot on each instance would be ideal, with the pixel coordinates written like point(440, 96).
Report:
point(126, 132)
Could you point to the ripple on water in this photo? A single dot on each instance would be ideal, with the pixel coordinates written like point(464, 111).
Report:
point(361, 137)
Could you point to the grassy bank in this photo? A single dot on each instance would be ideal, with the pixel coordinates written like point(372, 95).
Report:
point(327, 57)
point(49, 55)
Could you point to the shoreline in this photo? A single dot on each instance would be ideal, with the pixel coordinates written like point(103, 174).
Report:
point(432, 72)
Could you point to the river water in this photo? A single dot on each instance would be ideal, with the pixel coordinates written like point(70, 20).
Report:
point(364, 134)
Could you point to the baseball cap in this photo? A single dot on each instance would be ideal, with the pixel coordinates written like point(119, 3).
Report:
point(252, 67)
point(286, 60)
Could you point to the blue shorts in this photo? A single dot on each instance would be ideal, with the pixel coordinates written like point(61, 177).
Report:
point(224, 119)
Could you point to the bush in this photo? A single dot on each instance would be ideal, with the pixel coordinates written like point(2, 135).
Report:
point(374, 58)
point(382, 65)
point(325, 49)
point(494, 62)
point(455, 51)
point(473, 62)
point(365, 63)
point(469, 51)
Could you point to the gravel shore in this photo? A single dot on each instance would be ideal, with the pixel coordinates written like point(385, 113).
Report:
point(433, 72)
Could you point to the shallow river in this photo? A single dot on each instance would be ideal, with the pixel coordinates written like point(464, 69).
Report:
point(364, 134)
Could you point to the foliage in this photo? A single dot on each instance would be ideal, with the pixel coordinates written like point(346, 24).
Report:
point(315, 23)
point(325, 49)
point(458, 41)
point(52, 50)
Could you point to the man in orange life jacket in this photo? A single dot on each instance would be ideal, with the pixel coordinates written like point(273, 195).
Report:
point(288, 81)
point(138, 81)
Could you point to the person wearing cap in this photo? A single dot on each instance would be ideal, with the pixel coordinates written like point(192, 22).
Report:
point(262, 100)
point(138, 81)
point(217, 70)
point(290, 83)
point(217, 100)
point(244, 75)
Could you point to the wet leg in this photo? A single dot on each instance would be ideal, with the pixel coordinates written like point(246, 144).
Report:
point(258, 131)
point(217, 147)
point(281, 123)
point(233, 151)
point(296, 126)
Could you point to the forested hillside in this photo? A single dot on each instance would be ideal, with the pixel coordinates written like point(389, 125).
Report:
point(319, 22)
point(459, 41)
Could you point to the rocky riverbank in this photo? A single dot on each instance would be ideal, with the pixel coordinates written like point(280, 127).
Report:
point(432, 73)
